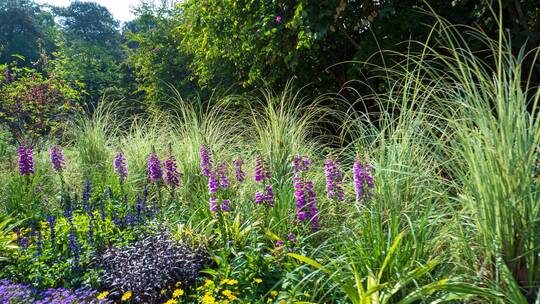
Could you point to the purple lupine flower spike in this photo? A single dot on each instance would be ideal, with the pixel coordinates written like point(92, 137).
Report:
point(213, 182)
point(312, 208)
point(206, 160)
point(172, 176)
point(269, 198)
point(57, 158)
point(358, 180)
point(154, 171)
point(334, 180)
point(292, 237)
point(222, 172)
point(306, 210)
point(362, 178)
point(258, 170)
point(259, 197)
point(120, 165)
point(213, 204)
point(238, 172)
point(26, 160)
point(225, 206)
point(300, 201)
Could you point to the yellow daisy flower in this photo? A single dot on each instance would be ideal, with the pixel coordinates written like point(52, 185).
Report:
point(171, 301)
point(103, 295)
point(258, 280)
point(273, 293)
point(126, 296)
point(178, 293)
point(208, 298)
point(229, 295)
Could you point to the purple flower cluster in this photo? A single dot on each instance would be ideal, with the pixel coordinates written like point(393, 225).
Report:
point(222, 172)
point(300, 164)
point(12, 293)
point(26, 160)
point(73, 246)
point(172, 176)
point(305, 197)
point(120, 165)
point(334, 180)
point(363, 181)
point(57, 158)
point(262, 170)
point(154, 170)
point(238, 172)
point(206, 160)
point(266, 196)
point(213, 182)
point(51, 219)
point(215, 205)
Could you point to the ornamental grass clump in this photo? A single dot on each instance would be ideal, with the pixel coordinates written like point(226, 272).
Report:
point(152, 264)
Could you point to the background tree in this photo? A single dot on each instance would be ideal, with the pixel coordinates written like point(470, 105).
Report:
point(89, 49)
point(24, 29)
point(156, 55)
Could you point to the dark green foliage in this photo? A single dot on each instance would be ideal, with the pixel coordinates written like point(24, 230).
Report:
point(24, 29)
point(89, 50)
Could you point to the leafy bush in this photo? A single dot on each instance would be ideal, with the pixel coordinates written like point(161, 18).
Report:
point(149, 266)
point(32, 104)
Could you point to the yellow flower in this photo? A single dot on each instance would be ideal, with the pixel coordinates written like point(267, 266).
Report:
point(307, 294)
point(232, 282)
point(208, 282)
point(208, 298)
point(126, 296)
point(171, 301)
point(103, 295)
point(229, 295)
point(273, 293)
point(282, 302)
point(258, 280)
point(178, 284)
point(178, 293)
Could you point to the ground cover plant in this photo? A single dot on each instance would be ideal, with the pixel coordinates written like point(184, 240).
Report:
point(434, 198)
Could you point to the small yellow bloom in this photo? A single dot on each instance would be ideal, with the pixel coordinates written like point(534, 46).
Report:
point(232, 282)
point(282, 302)
point(171, 301)
point(273, 293)
point(178, 284)
point(178, 293)
point(208, 298)
point(103, 295)
point(258, 280)
point(126, 296)
point(229, 295)
point(307, 294)
point(208, 282)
